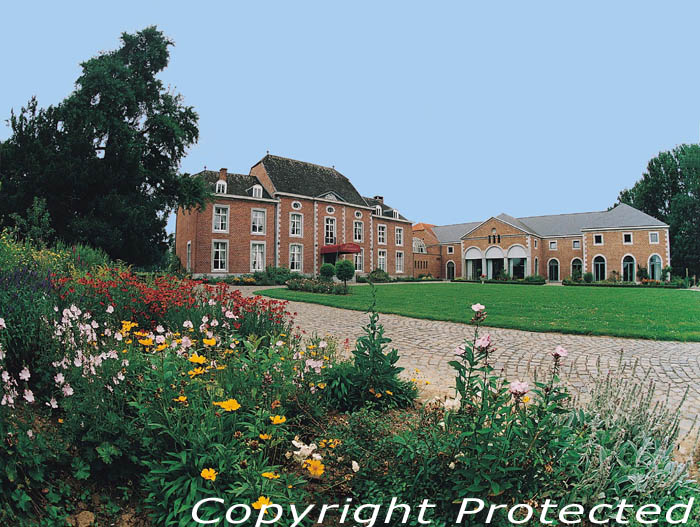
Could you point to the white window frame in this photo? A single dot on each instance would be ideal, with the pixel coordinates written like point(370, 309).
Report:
point(382, 258)
point(296, 205)
point(188, 256)
point(395, 214)
point(221, 187)
point(361, 255)
point(378, 210)
point(330, 210)
point(213, 252)
point(398, 236)
point(300, 234)
point(326, 223)
point(252, 222)
point(450, 249)
point(361, 238)
point(658, 238)
point(300, 269)
point(213, 218)
point(399, 258)
point(553, 246)
point(602, 241)
point(631, 235)
point(257, 191)
point(381, 238)
point(358, 214)
point(264, 255)
point(573, 244)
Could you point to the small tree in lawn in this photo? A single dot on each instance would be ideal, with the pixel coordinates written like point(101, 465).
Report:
point(345, 270)
point(327, 272)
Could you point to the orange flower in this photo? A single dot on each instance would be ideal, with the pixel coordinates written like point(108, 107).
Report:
point(209, 342)
point(262, 500)
point(230, 405)
point(270, 475)
point(197, 359)
point(180, 399)
point(278, 419)
point(315, 467)
point(209, 473)
point(265, 437)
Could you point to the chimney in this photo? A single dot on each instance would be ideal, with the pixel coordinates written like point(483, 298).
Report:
point(222, 174)
point(380, 199)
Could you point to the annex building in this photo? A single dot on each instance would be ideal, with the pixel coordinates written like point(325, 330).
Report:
point(294, 214)
point(610, 244)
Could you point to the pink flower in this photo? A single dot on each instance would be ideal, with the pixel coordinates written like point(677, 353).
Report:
point(24, 374)
point(67, 390)
point(459, 350)
point(560, 352)
point(160, 329)
point(30, 434)
point(478, 307)
point(2, 324)
point(519, 388)
point(52, 403)
point(110, 309)
point(59, 379)
point(28, 396)
point(322, 344)
point(483, 342)
point(187, 324)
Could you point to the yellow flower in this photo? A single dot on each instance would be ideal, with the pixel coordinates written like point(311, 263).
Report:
point(209, 473)
point(389, 392)
point(262, 500)
point(378, 395)
point(195, 372)
point(197, 359)
point(427, 382)
point(321, 385)
point(270, 475)
point(526, 399)
point(161, 347)
point(209, 342)
point(223, 367)
point(265, 437)
point(230, 405)
point(278, 419)
point(180, 399)
point(315, 467)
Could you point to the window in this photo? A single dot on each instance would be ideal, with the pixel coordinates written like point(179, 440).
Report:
point(399, 261)
point(381, 259)
point(360, 260)
point(358, 231)
point(257, 221)
point(597, 239)
point(627, 238)
point(576, 268)
point(257, 256)
point(553, 245)
point(381, 234)
point(395, 214)
point(378, 210)
point(219, 260)
point(599, 268)
point(358, 214)
point(537, 266)
point(330, 231)
point(450, 274)
point(576, 244)
point(399, 236)
point(535, 243)
point(221, 187)
point(296, 205)
point(653, 237)
point(553, 269)
point(330, 210)
point(628, 269)
point(450, 249)
point(419, 246)
point(257, 191)
point(188, 265)
point(655, 267)
point(220, 218)
point(295, 251)
point(296, 224)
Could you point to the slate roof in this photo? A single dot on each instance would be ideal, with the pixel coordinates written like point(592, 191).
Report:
point(236, 184)
point(387, 211)
point(620, 217)
point(308, 179)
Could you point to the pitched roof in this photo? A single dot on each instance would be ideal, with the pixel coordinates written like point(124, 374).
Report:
point(387, 211)
point(421, 226)
point(453, 233)
point(236, 184)
point(307, 179)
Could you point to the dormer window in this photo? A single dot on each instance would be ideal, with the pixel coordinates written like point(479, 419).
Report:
point(221, 187)
point(378, 210)
point(257, 191)
point(395, 214)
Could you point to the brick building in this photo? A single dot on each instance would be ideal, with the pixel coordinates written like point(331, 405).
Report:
point(613, 243)
point(292, 214)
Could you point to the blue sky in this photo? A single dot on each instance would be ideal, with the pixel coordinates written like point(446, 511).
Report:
point(453, 111)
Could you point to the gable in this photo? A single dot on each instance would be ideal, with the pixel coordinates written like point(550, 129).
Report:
point(485, 229)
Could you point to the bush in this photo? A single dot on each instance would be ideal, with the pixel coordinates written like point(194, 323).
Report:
point(378, 276)
point(588, 277)
point(327, 272)
point(309, 285)
point(345, 270)
point(642, 273)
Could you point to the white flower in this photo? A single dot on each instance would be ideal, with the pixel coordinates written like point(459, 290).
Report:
point(478, 307)
point(24, 374)
point(355, 466)
point(322, 344)
point(2, 324)
point(110, 309)
point(30, 433)
point(67, 390)
point(59, 379)
point(29, 396)
point(452, 465)
point(160, 329)
point(52, 403)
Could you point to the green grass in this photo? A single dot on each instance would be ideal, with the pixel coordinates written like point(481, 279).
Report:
point(663, 314)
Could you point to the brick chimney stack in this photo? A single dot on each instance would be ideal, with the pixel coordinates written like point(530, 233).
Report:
point(222, 174)
point(380, 199)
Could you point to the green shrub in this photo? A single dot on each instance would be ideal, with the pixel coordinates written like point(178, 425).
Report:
point(378, 276)
point(309, 285)
point(642, 273)
point(327, 272)
point(588, 277)
point(345, 270)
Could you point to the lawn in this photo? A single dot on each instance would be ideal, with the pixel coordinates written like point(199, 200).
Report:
point(663, 314)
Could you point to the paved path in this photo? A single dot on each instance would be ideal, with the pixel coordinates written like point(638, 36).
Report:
point(428, 345)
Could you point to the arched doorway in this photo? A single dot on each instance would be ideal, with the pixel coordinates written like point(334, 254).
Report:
point(576, 269)
point(495, 262)
point(553, 270)
point(599, 268)
point(655, 267)
point(517, 261)
point(628, 268)
point(450, 270)
point(473, 263)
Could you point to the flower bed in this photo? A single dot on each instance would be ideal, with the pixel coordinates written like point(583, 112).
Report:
point(310, 285)
point(647, 284)
point(526, 281)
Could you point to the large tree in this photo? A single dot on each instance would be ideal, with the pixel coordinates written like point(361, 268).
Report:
point(670, 191)
point(106, 159)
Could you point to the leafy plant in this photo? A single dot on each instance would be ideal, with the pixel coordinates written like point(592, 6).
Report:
point(327, 272)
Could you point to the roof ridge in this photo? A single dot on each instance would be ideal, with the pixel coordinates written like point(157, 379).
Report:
point(303, 162)
point(562, 214)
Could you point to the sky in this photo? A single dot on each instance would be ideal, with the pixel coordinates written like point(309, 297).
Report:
point(453, 111)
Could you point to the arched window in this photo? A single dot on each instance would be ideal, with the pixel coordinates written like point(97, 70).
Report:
point(553, 273)
point(221, 187)
point(599, 268)
point(576, 269)
point(378, 210)
point(395, 213)
point(450, 270)
point(628, 270)
point(257, 191)
point(537, 266)
point(419, 246)
point(655, 267)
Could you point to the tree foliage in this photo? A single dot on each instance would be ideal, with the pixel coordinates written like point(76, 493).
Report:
point(670, 191)
point(106, 159)
point(345, 270)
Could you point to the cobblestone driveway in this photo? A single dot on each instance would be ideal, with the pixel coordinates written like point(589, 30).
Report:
point(428, 345)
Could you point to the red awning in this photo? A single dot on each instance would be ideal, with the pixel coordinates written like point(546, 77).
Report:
point(341, 248)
